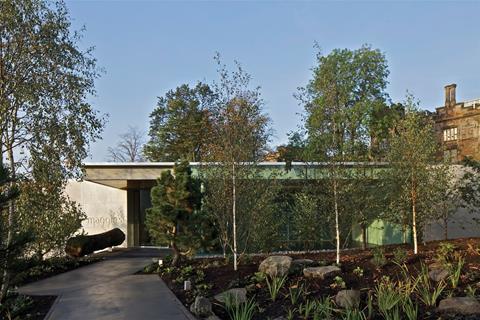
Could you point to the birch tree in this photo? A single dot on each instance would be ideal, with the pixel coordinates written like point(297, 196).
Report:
point(412, 173)
point(240, 132)
point(45, 81)
point(339, 102)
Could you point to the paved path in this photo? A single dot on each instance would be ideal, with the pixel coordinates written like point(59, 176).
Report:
point(109, 290)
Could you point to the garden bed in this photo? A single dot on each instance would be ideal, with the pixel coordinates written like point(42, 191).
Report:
point(360, 270)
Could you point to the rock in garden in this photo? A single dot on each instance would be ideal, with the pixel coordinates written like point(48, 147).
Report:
point(438, 275)
point(212, 317)
point(238, 294)
point(299, 264)
point(321, 272)
point(202, 307)
point(348, 299)
point(459, 305)
point(276, 266)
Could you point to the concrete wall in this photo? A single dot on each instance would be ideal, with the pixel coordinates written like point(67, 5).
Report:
point(106, 207)
point(463, 224)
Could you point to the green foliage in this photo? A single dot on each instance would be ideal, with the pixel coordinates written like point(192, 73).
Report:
point(410, 309)
point(316, 309)
point(399, 255)
point(338, 283)
point(456, 271)
point(296, 292)
point(174, 217)
point(426, 291)
point(46, 84)
point(180, 127)
point(49, 214)
point(354, 314)
point(15, 306)
point(12, 240)
point(411, 182)
point(274, 286)
point(240, 311)
point(389, 299)
point(358, 272)
point(379, 258)
point(308, 220)
point(444, 254)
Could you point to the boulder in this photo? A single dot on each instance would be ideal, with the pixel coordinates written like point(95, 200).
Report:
point(202, 307)
point(438, 275)
point(459, 305)
point(348, 299)
point(321, 272)
point(275, 266)
point(238, 294)
point(299, 264)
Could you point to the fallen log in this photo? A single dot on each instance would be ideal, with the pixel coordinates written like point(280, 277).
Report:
point(82, 245)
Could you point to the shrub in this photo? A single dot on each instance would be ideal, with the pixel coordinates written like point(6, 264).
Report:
point(379, 259)
point(444, 254)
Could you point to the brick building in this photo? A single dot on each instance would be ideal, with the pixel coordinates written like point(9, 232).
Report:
point(457, 125)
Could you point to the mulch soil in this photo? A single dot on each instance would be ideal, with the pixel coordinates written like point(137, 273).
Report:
point(213, 276)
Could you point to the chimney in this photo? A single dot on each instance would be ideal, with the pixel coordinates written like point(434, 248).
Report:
point(450, 95)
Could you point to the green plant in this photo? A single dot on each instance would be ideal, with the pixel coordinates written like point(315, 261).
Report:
point(354, 314)
point(240, 311)
point(456, 271)
point(444, 254)
point(295, 293)
point(389, 297)
point(428, 293)
point(258, 277)
point(370, 310)
point(274, 285)
point(358, 272)
point(470, 291)
point(378, 259)
point(323, 309)
point(291, 314)
point(306, 309)
point(399, 255)
point(338, 282)
point(410, 309)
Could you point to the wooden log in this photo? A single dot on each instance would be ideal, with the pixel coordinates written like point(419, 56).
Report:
point(82, 245)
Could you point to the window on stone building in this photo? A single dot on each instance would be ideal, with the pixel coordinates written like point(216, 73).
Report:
point(450, 134)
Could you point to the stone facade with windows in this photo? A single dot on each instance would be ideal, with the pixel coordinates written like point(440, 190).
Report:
point(457, 125)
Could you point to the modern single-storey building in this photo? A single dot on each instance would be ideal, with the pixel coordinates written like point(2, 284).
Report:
point(117, 195)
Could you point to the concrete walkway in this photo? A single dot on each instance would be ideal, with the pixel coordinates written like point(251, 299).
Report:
point(109, 290)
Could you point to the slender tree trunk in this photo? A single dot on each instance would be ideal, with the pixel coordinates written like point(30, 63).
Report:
point(337, 228)
point(445, 228)
point(173, 245)
point(364, 236)
point(234, 213)
point(414, 223)
point(10, 225)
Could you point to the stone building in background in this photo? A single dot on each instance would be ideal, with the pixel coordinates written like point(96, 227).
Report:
point(457, 125)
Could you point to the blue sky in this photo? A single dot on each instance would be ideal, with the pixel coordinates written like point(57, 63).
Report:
point(149, 47)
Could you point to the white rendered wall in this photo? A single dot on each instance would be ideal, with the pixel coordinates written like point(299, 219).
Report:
point(105, 207)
